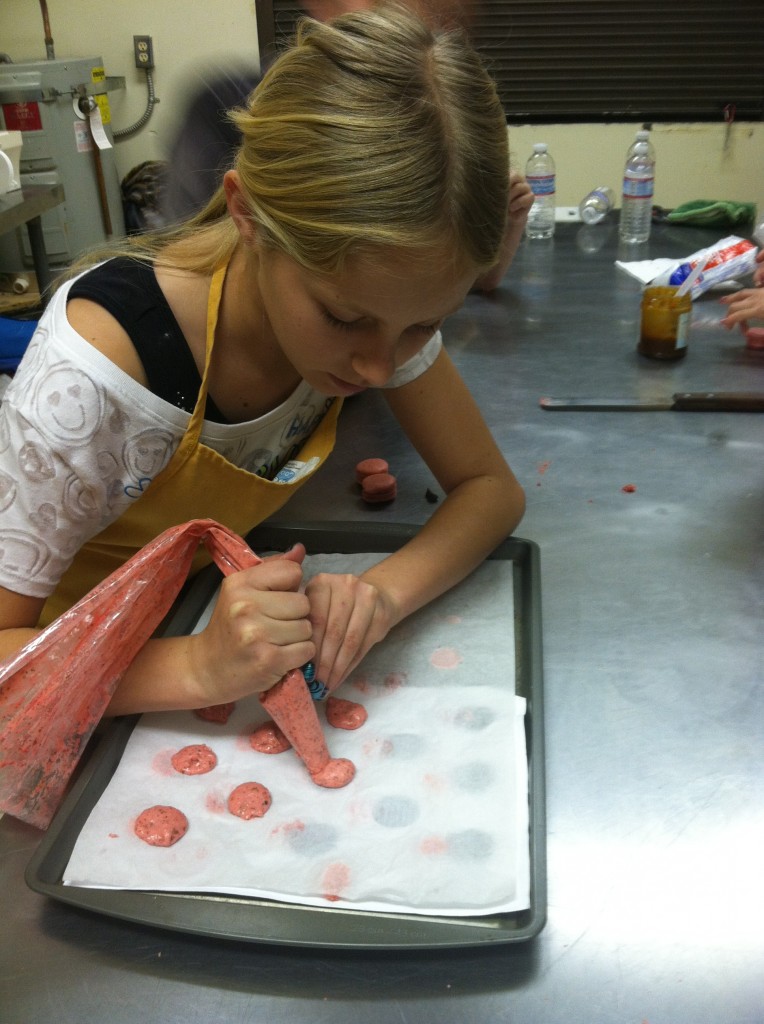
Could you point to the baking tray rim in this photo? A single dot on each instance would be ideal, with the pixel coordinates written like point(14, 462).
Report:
point(229, 917)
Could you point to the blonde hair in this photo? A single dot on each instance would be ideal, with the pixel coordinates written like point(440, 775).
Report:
point(371, 131)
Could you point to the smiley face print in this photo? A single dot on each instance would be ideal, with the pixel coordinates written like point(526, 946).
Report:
point(146, 454)
point(69, 406)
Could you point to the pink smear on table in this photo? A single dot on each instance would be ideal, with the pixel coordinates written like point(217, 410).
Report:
point(215, 802)
point(445, 658)
point(336, 879)
point(435, 782)
point(434, 846)
point(629, 488)
point(395, 680)
point(378, 747)
point(289, 826)
point(161, 762)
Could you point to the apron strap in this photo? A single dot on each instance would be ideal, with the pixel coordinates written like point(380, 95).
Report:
point(194, 431)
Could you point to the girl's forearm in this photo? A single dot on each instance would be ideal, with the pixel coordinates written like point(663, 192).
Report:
point(475, 517)
point(160, 678)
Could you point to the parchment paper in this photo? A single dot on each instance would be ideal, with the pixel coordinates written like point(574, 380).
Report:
point(435, 821)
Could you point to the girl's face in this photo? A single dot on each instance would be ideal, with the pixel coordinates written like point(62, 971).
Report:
point(352, 330)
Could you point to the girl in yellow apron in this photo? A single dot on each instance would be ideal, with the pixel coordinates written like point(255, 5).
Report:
point(369, 193)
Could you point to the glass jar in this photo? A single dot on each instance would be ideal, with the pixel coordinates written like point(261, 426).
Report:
point(665, 323)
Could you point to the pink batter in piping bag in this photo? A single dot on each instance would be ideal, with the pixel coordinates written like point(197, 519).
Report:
point(54, 691)
point(285, 703)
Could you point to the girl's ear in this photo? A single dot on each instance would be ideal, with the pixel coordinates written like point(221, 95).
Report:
point(237, 207)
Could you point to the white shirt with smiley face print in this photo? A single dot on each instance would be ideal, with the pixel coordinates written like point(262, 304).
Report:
point(80, 441)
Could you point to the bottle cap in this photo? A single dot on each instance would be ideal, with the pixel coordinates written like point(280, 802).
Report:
point(539, 147)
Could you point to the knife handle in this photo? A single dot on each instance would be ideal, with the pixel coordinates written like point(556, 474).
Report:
point(719, 401)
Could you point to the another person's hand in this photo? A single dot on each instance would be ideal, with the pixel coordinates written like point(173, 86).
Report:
point(349, 616)
point(747, 304)
point(259, 630)
point(520, 202)
point(758, 274)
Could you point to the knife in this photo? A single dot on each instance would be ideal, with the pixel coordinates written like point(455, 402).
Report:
point(681, 401)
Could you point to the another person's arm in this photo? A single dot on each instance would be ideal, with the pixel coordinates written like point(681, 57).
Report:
point(742, 306)
point(747, 304)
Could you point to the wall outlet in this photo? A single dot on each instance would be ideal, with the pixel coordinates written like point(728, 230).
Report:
point(143, 49)
point(567, 215)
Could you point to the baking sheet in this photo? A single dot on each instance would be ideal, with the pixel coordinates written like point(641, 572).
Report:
point(356, 923)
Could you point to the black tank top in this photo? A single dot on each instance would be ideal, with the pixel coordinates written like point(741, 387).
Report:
point(128, 289)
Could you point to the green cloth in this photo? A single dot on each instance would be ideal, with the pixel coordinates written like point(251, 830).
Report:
point(712, 213)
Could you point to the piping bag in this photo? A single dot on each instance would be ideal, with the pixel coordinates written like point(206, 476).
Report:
point(54, 690)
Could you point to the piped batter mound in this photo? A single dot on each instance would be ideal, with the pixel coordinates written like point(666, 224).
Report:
point(249, 800)
point(336, 773)
point(161, 825)
point(345, 714)
point(269, 739)
point(196, 759)
point(217, 713)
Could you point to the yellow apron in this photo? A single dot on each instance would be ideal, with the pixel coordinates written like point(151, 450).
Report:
point(197, 483)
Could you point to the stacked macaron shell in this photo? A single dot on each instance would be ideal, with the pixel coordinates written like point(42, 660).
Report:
point(377, 483)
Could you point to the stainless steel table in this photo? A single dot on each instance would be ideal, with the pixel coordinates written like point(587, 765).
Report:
point(652, 611)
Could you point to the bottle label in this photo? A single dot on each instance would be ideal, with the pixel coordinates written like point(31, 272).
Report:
point(682, 329)
point(638, 188)
point(541, 184)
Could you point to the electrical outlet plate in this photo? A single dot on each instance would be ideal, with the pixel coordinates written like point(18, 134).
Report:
point(567, 215)
point(143, 49)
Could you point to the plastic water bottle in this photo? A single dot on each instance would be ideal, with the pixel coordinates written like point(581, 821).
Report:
point(595, 206)
point(540, 175)
point(637, 204)
point(643, 135)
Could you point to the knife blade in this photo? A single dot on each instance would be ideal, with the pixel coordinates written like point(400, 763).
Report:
point(680, 401)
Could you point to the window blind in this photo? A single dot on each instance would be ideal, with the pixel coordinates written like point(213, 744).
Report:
point(607, 60)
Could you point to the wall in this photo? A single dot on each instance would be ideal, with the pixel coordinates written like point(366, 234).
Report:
point(691, 159)
point(189, 38)
point(192, 36)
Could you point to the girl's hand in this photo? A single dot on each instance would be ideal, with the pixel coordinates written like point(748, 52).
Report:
point(747, 304)
point(259, 630)
point(349, 616)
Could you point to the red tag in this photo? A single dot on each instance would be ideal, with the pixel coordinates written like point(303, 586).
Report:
point(22, 117)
